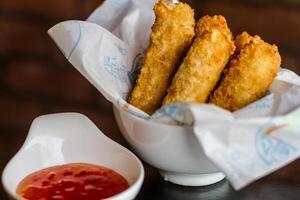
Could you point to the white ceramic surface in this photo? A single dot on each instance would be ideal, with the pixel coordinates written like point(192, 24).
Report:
point(71, 138)
point(173, 150)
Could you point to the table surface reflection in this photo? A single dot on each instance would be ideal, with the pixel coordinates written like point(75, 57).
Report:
point(156, 188)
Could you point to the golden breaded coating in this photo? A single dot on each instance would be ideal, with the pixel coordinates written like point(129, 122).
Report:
point(172, 35)
point(241, 40)
point(249, 73)
point(204, 63)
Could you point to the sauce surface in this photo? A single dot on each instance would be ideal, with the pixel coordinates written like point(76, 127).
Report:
point(75, 181)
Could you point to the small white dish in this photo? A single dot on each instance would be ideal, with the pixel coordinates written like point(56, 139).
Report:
point(174, 150)
point(58, 139)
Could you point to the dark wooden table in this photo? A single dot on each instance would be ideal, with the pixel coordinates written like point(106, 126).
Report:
point(35, 79)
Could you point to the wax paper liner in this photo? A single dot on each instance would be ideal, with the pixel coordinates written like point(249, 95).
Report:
point(107, 50)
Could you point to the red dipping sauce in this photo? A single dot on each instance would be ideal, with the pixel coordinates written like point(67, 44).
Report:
point(72, 182)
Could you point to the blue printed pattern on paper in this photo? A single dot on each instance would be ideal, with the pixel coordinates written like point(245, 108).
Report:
point(110, 64)
point(270, 149)
point(168, 111)
point(77, 41)
point(118, 67)
point(118, 72)
point(179, 113)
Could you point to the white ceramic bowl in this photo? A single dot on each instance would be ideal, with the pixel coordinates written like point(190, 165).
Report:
point(71, 138)
point(173, 150)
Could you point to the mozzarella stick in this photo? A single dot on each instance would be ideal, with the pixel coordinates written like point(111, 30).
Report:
point(204, 63)
point(249, 73)
point(172, 35)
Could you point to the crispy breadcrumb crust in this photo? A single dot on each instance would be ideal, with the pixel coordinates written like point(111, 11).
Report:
point(202, 67)
point(248, 75)
point(172, 35)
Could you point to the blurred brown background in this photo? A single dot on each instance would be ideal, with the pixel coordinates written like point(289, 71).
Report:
point(36, 79)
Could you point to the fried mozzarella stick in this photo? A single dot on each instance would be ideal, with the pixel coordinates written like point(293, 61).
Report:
point(172, 35)
point(249, 73)
point(204, 63)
